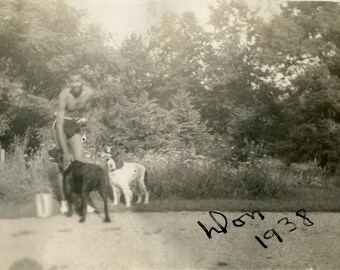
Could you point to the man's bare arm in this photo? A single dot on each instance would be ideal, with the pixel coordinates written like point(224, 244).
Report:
point(60, 120)
point(86, 110)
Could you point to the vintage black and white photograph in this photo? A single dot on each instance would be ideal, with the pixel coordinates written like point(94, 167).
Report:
point(169, 134)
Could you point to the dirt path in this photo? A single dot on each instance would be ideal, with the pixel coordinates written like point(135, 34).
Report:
point(168, 240)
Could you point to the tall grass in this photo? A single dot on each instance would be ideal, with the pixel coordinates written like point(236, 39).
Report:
point(171, 174)
point(189, 176)
point(23, 174)
point(254, 179)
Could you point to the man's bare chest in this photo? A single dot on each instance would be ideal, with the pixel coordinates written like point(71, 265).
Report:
point(76, 104)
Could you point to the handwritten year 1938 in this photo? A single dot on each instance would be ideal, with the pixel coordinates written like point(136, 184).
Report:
point(239, 222)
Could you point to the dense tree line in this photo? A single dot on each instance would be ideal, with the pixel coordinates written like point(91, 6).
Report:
point(273, 83)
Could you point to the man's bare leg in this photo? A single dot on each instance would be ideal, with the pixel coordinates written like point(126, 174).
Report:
point(63, 203)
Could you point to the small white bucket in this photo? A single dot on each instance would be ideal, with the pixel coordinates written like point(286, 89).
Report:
point(44, 204)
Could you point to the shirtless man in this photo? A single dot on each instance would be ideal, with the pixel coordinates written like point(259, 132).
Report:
point(72, 113)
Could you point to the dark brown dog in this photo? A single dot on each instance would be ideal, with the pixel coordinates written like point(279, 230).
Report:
point(82, 178)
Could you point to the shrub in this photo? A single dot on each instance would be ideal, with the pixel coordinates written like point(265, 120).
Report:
point(181, 174)
point(254, 180)
point(23, 174)
point(186, 175)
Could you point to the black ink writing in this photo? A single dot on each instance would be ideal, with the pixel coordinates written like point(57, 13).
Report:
point(223, 228)
point(306, 221)
point(272, 232)
point(222, 224)
point(240, 223)
point(288, 222)
point(260, 241)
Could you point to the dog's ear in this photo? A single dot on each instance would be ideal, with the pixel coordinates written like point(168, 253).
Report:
point(119, 163)
point(118, 158)
point(115, 154)
point(56, 155)
point(107, 149)
point(53, 154)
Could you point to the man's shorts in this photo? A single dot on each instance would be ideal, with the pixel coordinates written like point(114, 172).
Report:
point(71, 127)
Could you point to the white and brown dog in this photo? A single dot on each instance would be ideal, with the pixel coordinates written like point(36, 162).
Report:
point(124, 175)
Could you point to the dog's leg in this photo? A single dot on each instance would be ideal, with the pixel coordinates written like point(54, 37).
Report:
point(139, 200)
point(140, 194)
point(119, 194)
point(106, 209)
point(146, 200)
point(84, 199)
point(115, 195)
point(69, 199)
point(103, 194)
point(68, 194)
point(127, 195)
point(142, 188)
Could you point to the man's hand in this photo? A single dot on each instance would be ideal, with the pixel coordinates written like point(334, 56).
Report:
point(82, 121)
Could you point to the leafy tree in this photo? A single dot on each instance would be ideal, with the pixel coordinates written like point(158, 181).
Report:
point(139, 124)
point(138, 71)
point(302, 46)
point(190, 131)
point(178, 46)
point(20, 111)
point(231, 75)
point(38, 41)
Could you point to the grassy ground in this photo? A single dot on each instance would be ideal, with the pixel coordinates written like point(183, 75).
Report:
point(324, 200)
